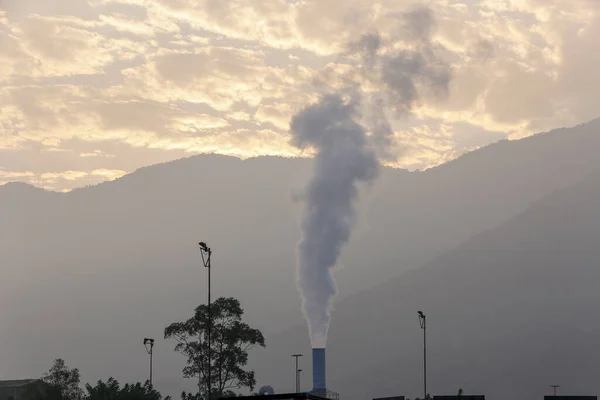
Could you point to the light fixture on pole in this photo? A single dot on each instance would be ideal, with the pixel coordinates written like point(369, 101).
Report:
point(149, 345)
point(423, 323)
point(296, 371)
point(299, 381)
point(206, 252)
point(554, 387)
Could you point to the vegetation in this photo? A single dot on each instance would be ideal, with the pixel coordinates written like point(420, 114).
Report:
point(111, 390)
point(62, 383)
point(231, 339)
point(66, 380)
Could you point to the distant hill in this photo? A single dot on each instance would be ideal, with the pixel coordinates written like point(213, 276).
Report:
point(117, 262)
point(510, 312)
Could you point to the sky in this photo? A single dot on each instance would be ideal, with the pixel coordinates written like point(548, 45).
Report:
point(93, 89)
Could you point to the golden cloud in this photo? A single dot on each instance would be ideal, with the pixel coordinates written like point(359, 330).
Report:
point(205, 76)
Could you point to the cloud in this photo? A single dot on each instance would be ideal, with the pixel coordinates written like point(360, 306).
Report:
point(63, 180)
point(51, 114)
point(428, 145)
point(219, 77)
point(279, 113)
point(46, 46)
point(241, 143)
point(128, 25)
point(96, 153)
point(67, 175)
point(268, 21)
point(174, 77)
point(5, 176)
point(110, 174)
point(512, 70)
point(18, 10)
point(154, 117)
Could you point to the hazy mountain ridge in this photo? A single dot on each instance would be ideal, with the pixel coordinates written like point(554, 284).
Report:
point(122, 254)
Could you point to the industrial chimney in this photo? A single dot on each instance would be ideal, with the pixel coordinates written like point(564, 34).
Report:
point(319, 372)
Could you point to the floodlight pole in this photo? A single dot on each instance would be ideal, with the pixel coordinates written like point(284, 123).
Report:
point(206, 252)
point(554, 388)
point(148, 341)
point(423, 323)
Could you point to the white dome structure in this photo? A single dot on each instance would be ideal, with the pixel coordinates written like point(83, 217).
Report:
point(266, 389)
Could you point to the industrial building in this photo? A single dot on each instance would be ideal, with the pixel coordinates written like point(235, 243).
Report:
point(570, 398)
point(283, 396)
point(17, 389)
point(319, 391)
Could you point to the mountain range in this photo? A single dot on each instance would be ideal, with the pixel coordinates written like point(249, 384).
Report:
point(510, 312)
point(497, 247)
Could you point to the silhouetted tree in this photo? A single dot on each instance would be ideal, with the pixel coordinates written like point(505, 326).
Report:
point(111, 390)
point(231, 339)
point(108, 390)
point(139, 392)
point(196, 396)
point(64, 379)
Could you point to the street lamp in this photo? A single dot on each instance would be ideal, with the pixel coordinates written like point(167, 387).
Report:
point(149, 344)
point(422, 322)
point(297, 372)
point(299, 384)
point(554, 387)
point(206, 252)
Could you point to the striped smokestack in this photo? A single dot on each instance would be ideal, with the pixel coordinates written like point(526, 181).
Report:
point(319, 371)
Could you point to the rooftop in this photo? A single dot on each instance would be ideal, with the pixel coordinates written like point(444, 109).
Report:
point(559, 397)
point(16, 383)
point(283, 396)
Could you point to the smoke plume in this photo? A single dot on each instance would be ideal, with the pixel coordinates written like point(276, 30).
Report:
point(343, 159)
point(346, 155)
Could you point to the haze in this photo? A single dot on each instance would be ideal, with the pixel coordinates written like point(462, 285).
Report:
point(130, 130)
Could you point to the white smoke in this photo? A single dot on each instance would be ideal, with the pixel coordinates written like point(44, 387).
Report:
point(346, 155)
point(343, 159)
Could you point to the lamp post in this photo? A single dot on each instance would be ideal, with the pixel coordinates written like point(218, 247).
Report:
point(299, 382)
point(206, 252)
point(297, 372)
point(423, 323)
point(554, 387)
point(149, 344)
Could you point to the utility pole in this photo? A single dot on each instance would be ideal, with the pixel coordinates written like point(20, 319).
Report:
point(206, 252)
point(423, 323)
point(149, 345)
point(554, 387)
point(297, 372)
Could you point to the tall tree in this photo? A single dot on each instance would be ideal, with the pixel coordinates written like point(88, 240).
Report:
point(231, 339)
point(65, 379)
